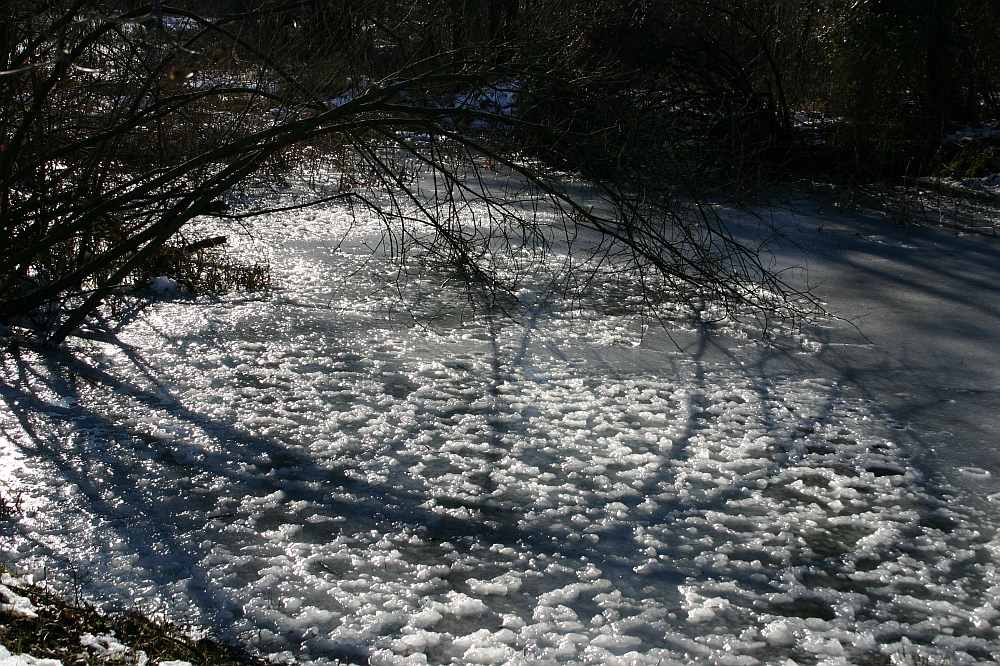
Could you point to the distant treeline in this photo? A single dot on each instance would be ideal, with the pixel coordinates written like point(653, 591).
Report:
point(123, 121)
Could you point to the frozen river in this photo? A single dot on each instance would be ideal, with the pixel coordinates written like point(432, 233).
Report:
point(325, 476)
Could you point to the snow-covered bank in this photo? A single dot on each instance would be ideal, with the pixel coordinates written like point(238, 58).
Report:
point(317, 475)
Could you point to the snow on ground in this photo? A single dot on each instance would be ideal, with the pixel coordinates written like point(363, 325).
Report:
point(13, 603)
point(320, 476)
point(8, 659)
point(985, 131)
point(982, 187)
point(989, 184)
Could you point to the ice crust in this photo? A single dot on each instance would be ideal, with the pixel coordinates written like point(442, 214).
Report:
point(315, 475)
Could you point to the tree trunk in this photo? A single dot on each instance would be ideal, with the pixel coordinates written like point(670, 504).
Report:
point(502, 13)
point(940, 61)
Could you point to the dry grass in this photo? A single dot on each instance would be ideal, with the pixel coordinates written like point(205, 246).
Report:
point(60, 625)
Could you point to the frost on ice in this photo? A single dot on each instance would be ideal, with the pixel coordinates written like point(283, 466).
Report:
point(314, 475)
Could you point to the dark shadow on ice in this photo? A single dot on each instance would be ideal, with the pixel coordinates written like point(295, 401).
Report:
point(925, 307)
point(105, 458)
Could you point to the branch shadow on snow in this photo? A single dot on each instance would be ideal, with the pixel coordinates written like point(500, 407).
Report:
point(109, 461)
point(152, 527)
point(923, 307)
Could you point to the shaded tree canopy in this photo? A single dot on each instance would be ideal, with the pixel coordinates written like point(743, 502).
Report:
point(121, 122)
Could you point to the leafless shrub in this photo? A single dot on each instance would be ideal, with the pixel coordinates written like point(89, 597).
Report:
point(118, 132)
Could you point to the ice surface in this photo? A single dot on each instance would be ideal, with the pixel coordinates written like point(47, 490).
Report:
point(328, 474)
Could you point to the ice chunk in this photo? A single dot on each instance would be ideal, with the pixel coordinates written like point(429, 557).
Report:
point(386, 658)
point(700, 608)
point(816, 644)
point(564, 595)
point(778, 633)
point(462, 605)
point(428, 617)
point(13, 603)
point(417, 641)
point(106, 646)
point(526, 295)
point(616, 643)
point(491, 654)
point(509, 621)
point(499, 586)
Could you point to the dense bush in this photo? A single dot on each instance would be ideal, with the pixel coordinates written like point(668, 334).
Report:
point(109, 149)
point(655, 92)
point(898, 74)
point(891, 76)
